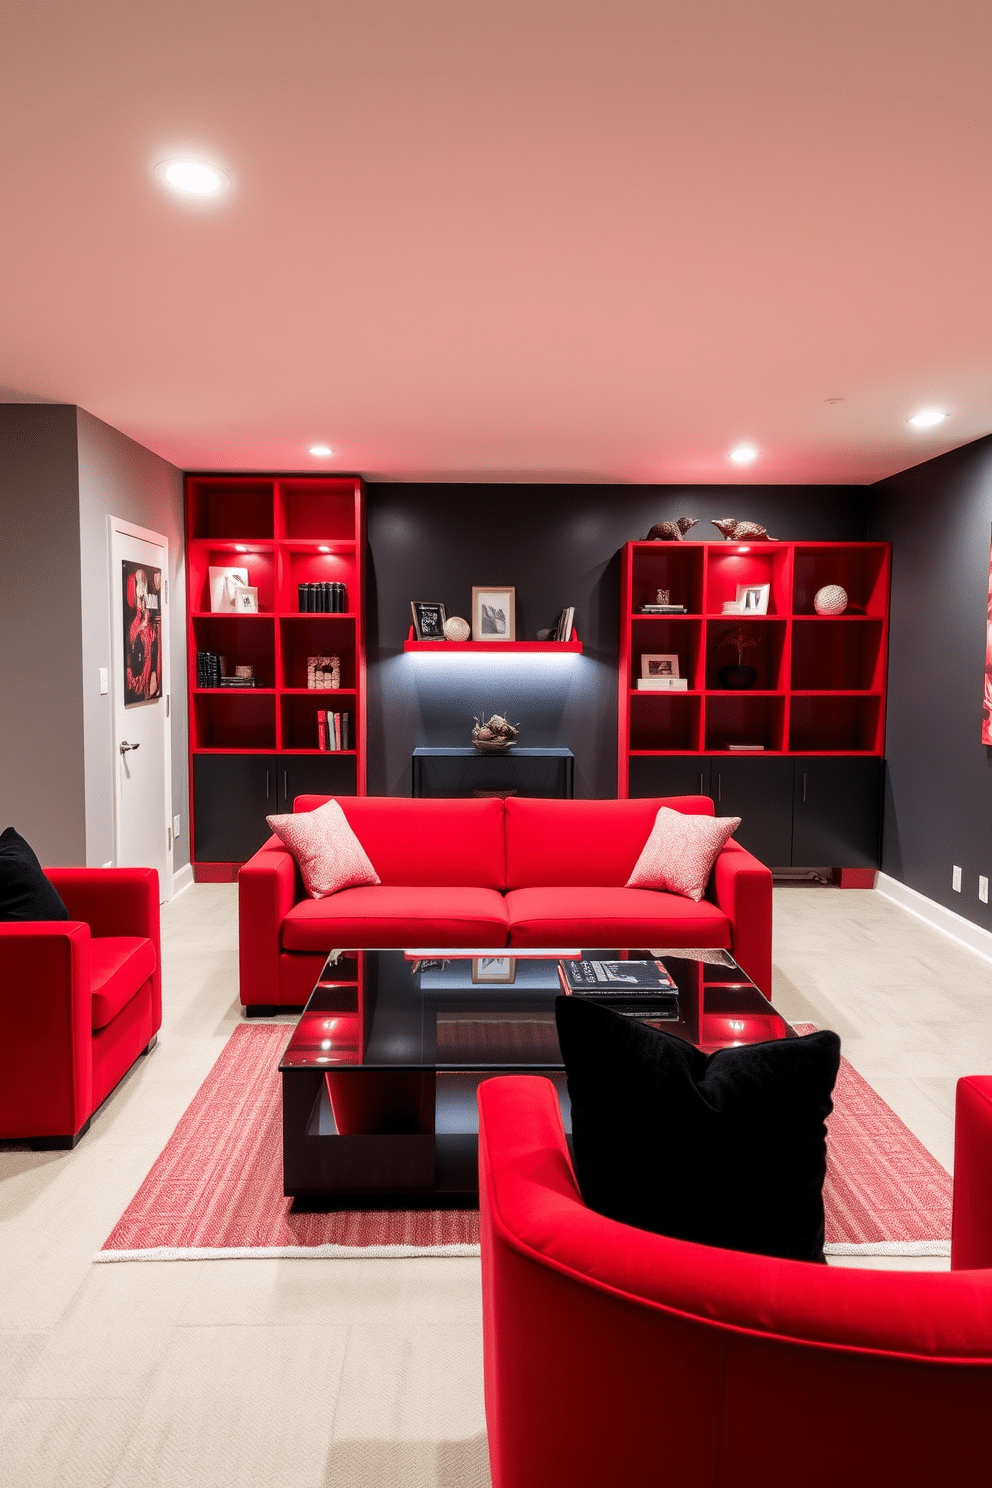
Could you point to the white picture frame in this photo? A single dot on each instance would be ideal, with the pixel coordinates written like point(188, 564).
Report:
point(245, 599)
point(494, 609)
point(752, 599)
point(223, 582)
point(654, 664)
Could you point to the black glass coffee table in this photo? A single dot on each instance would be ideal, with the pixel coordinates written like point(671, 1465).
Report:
point(380, 1076)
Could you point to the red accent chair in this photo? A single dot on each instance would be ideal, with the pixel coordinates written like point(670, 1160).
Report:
point(80, 999)
point(617, 1356)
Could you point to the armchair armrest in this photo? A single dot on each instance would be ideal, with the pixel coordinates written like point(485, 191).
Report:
point(743, 890)
point(116, 901)
point(971, 1225)
point(46, 1028)
point(267, 891)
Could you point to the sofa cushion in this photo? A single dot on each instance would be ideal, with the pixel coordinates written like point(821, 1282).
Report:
point(584, 916)
point(25, 892)
point(427, 842)
point(329, 855)
point(680, 852)
point(724, 1149)
point(393, 915)
point(120, 965)
point(554, 843)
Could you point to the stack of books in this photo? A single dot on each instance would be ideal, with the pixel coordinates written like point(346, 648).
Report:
point(663, 684)
point(325, 598)
point(638, 989)
point(333, 731)
point(209, 669)
point(746, 748)
point(563, 630)
point(662, 609)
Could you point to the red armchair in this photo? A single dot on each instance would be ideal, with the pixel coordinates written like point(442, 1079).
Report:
point(617, 1356)
point(79, 1001)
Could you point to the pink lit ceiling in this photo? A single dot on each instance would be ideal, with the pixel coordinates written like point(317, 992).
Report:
point(531, 239)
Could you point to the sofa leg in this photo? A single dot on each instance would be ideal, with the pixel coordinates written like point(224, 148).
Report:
point(59, 1144)
point(149, 1046)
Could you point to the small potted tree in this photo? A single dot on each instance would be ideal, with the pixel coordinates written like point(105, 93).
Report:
point(738, 676)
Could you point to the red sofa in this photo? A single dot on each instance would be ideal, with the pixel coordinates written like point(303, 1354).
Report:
point(519, 872)
point(80, 999)
point(617, 1356)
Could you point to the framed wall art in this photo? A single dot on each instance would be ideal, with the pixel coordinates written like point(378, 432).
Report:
point(494, 969)
point(987, 700)
point(428, 619)
point(659, 666)
point(142, 588)
point(752, 599)
point(493, 613)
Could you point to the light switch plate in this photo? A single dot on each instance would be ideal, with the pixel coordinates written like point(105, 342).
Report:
point(104, 682)
point(983, 888)
point(175, 826)
point(956, 879)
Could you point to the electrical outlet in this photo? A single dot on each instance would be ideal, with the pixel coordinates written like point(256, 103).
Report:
point(175, 826)
point(983, 888)
point(956, 879)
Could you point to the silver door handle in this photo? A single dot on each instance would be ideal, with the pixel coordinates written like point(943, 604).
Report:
point(125, 746)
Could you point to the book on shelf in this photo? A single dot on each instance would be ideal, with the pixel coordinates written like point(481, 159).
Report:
point(333, 731)
point(323, 598)
point(238, 681)
point(656, 609)
point(616, 978)
point(322, 729)
point(663, 684)
point(746, 748)
point(563, 629)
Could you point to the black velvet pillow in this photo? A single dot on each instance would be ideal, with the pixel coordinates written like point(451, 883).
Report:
point(25, 893)
point(726, 1149)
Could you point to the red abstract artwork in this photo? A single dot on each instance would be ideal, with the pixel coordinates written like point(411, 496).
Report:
point(142, 633)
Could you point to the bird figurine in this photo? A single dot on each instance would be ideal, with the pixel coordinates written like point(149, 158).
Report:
point(735, 531)
point(672, 531)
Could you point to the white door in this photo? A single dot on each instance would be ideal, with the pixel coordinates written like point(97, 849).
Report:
point(139, 599)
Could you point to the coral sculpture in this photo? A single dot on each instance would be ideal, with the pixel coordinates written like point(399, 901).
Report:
point(493, 734)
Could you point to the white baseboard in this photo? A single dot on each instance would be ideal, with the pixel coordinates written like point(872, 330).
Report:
point(182, 880)
point(973, 937)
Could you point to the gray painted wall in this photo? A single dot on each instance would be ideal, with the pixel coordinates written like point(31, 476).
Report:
point(938, 808)
point(41, 702)
point(120, 478)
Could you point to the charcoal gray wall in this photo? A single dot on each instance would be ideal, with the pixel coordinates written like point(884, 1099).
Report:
point(558, 545)
point(939, 796)
point(41, 703)
point(119, 478)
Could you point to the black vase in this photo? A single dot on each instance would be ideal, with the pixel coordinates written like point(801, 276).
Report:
point(737, 678)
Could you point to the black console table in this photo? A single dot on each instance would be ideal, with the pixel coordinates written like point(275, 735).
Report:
point(525, 772)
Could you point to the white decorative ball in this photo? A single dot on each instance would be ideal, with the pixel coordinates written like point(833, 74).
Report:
point(830, 600)
point(457, 629)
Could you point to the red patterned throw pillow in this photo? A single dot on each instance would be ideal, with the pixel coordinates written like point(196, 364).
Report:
point(680, 852)
point(328, 852)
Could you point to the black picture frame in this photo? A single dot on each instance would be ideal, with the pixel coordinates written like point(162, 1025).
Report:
point(428, 619)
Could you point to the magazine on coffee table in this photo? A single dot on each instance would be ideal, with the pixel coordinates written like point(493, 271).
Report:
point(616, 979)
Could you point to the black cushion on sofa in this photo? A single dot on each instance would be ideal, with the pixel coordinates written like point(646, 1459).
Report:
point(725, 1149)
point(25, 893)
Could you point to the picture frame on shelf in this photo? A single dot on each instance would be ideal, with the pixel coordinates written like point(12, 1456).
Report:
point(223, 583)
point(245, 599)
point(494, 610)
point(752, 599)
point(494, 970)
point(655, 665)
point(428, 619)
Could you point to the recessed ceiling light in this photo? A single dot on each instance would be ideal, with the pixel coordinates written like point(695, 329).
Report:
point(323, 548)
point(743, 454)
point(926, 418)
point(321, 450)
point(192, 177)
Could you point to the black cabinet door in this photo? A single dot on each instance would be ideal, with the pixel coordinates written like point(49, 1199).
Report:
point(675, 775)
point(838, 813)
point(231, 795)
point(328, 774)
point(759, 791)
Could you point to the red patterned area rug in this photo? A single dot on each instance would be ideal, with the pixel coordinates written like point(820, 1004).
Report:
point(215, 1192)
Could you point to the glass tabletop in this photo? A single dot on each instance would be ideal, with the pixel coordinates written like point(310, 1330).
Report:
point(480, 1010)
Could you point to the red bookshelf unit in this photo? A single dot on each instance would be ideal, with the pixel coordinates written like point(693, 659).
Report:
point(810, 792)
point(253, 749)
